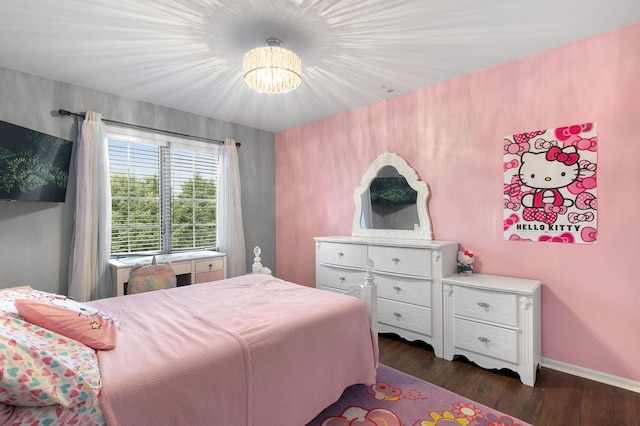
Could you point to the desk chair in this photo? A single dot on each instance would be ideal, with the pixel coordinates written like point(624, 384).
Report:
point(151, 277)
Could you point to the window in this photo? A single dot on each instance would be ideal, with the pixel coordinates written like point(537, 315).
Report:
point(163, 193)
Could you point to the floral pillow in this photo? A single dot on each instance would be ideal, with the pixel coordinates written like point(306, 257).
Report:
point(39, 367)
point(78, 321)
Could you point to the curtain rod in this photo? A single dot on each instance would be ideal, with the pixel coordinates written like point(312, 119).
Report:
point(64, 112)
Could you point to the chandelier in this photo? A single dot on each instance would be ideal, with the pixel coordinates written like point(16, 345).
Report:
point(272, 68)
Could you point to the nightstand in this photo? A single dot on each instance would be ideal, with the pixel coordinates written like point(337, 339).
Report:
point(494, 321)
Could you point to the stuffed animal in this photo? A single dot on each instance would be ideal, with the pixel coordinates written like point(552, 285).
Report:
point(465, 262)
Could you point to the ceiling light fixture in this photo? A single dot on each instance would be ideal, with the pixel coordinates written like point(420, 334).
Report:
point(272, 68)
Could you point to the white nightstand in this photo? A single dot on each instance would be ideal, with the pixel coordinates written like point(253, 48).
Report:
point(494, 321)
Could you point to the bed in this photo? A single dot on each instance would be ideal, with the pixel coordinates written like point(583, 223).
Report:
point(251, 350)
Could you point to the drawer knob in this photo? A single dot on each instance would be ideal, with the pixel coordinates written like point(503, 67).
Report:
point(397, 315)
point(342, 279)
point(340, 254)
point(483, 305)
point(395, 260)
point(397, 289)
point(210, 266)
point(483, 339)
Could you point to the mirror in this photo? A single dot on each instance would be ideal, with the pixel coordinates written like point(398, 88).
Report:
point(391, 202)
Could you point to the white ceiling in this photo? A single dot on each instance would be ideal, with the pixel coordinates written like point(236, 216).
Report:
point(187, 54)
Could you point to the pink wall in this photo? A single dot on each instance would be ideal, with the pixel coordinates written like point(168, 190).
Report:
point(451, 134)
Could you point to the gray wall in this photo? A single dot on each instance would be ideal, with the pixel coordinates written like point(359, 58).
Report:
point(35, 237)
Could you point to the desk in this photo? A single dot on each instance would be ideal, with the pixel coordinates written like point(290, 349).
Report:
point(190, 267)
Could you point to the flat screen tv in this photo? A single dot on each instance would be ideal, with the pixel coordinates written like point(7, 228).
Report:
point(33, 166)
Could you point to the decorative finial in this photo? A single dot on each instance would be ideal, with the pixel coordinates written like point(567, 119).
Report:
point(369, 265)
point(257, 262)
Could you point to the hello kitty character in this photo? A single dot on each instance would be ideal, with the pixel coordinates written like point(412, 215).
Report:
point(82, 310)
point(546, 172)
point(465, 262)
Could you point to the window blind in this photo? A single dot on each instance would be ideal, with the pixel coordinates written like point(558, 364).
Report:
point(163, 198)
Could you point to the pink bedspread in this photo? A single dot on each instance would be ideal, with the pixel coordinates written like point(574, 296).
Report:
point(252, 350)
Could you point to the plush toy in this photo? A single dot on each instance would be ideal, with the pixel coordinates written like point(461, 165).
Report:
point(465, 262)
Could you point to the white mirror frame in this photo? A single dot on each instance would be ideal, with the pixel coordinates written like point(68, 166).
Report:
point(423, 230)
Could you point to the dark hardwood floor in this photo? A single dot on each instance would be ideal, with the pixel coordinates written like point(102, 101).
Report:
point(557, 398)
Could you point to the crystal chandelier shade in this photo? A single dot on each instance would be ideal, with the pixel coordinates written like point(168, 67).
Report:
point(272, 68)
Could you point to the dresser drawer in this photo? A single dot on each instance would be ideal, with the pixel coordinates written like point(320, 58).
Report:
point(492, 306)
point(355, 293)
point(493, 341)
point(400, 260)
point(403, 315)
point(352, 255)
point(205, 277)
point(209, 265)
point(404, 289)
point(339, 278)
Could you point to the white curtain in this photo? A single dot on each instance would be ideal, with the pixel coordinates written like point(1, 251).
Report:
point(89, 276)
point(230, 230)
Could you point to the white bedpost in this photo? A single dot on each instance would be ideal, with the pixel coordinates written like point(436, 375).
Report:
point(257, 262)
point(370, 296)
point(257, 267)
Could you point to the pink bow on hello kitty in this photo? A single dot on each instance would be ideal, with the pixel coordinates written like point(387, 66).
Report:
point(556, 154)
point(550, 208)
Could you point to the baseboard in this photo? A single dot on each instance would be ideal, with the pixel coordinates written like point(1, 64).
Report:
point(594, 375)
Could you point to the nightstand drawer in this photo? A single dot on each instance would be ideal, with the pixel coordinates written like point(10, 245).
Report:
point(404, 289)
point(400, 260)
point(493, 341)
point(209, 265)
point(403, 315)
point(491, 306)
point(338, 278)
point(351, 255)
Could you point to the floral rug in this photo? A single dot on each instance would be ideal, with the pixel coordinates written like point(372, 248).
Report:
point(398, 399)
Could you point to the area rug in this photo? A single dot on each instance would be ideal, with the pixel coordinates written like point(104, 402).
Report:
point(398, 399)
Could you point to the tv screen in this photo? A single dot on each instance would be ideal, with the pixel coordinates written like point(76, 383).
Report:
point(33, 166)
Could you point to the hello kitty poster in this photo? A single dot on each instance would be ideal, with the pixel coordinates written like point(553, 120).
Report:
point(550, 182)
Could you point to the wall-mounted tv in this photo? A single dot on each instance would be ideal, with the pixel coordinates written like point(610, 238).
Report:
point(33, 166)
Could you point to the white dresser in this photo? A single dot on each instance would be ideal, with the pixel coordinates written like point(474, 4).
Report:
point(493, 321)
point(408, 274)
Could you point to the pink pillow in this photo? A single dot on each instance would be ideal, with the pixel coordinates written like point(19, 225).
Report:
point(74, 320)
